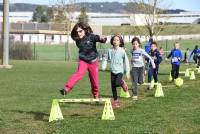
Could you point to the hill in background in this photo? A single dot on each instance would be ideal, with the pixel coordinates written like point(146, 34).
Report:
point(103, 7)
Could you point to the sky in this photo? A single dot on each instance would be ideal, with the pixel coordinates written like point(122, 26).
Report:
point(190, 5)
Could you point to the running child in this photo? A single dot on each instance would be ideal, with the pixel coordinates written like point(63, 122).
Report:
point(156, 56)
point(137, 63)
point(85, 40)
point(196, 56)
point(176, 57)
point(119, 66)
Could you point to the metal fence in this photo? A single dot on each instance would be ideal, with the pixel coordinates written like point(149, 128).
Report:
point(65, 52)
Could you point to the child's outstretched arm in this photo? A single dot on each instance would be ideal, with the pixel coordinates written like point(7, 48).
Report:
point(149, 57)
point(170, 54)
point(127, 66)
point(101, 39)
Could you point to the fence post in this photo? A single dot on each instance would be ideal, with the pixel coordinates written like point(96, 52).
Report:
point(65, 51)
point(166, 47)
point(34, 51)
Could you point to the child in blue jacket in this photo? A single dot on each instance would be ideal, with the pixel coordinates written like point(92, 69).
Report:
point(196, 56)
point(176, 57)
point(156, 56)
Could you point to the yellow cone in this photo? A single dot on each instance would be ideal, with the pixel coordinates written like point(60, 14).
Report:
point(192, 76)
point(170, 76)
point(124, 94)
point(187, 73)
point(159, 91)
point(55, 113)
point(152, 84)
point(108, 113)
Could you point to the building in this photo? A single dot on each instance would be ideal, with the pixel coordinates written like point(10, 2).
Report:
point(114, 19)
point(21, 29)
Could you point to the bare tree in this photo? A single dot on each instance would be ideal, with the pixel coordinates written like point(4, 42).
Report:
point(64, 10)
point(150, 13)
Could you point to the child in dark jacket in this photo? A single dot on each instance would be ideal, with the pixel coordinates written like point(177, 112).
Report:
point(176, 57)
point(85, 40)
point(196, 56)
point(156, 56)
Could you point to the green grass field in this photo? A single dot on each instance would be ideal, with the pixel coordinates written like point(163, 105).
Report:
point(27, 90)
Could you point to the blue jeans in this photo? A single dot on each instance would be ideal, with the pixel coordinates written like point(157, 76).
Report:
point(153, 72)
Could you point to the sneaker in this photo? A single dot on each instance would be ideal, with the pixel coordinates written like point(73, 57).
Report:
point(96, 97)
point(124, 86)
point(135, 98)
point(116, 104)
point(63, 92)
point(148, 89)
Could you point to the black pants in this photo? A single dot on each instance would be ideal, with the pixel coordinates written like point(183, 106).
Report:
point(116, 81)
point(197, 59)
point(175, 71)
point(153, 72)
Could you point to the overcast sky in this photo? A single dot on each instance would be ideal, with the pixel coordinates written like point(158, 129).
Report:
point(191, 5)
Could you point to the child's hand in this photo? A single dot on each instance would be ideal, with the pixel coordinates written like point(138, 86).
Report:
point(153, 65)
point(104, 38)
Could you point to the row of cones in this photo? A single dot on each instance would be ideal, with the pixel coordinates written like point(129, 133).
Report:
point(158, 93)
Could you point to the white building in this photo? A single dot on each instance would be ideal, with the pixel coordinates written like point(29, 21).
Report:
point(114, 19)
point(18, 16)
point(43, 33)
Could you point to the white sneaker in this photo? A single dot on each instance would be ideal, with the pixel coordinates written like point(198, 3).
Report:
point(135, 98)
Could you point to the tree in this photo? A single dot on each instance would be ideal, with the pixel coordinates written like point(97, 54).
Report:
point(83, 17)
point(39, 14)
point(60, 16)
point(50, 14)
point(151, 14)
point(64, 11)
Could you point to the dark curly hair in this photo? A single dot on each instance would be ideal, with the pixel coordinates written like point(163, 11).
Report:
point(120, 38)
point(84, 26)
point(136, 39)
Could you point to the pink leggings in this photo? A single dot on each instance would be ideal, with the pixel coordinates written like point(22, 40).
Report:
point(78, 75)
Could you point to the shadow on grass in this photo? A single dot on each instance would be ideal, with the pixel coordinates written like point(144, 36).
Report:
point(37, 115)
point(101, 96)
point(163, 73)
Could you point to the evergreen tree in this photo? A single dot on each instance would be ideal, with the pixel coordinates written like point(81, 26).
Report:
point(83, 17)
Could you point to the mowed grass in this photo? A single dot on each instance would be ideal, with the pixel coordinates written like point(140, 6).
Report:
point(27, 90)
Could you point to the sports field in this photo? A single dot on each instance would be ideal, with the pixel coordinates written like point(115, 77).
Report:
point(27, 90)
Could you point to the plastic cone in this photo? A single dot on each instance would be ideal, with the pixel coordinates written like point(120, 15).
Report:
point(124, 94)
point(192, 76)
point(187, 73)
point(152, 84)
point(159, 91)
point(55, 113)
point(104, 65)
point(170, 76)
point(108, 113)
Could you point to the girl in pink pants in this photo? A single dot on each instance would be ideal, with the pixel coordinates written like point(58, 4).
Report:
point(86, 42)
